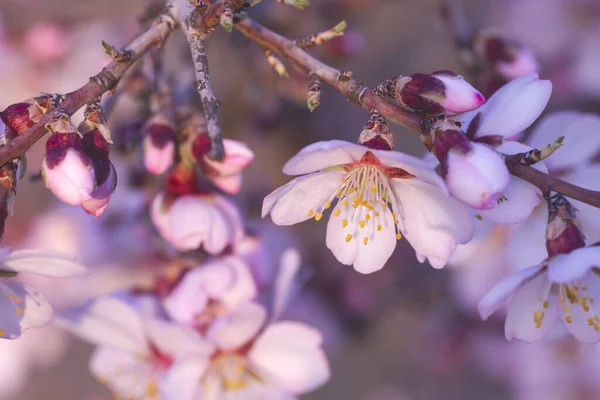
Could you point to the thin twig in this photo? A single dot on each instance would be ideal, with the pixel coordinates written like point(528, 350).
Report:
point(353, 90)
point(360, 94)
point(104, 81)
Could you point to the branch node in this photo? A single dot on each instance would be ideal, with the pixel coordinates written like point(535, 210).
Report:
point(115, 54)
point(344, 76)
point(105, 78)
point(357, 92)
point(387, 89)
point(314, 92)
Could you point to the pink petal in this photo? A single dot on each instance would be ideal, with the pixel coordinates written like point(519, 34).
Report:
point(72, 180)
point(514, 106)
point(503, 290)
point(413, 165)
point(460, 95)
point(288, 269)
point(433, 223)
point(182, 380)
point(581, 142)
point(565, 268)
point(126, 373)
point(237, 328)
point(290, 356)
point(158, 160)
point(321, 155)
point(176, 341)
point(237, 157)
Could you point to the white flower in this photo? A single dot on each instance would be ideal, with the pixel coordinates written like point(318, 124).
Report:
point(136, 351)
point(380, 195)
point(22, 307)
point(211, 290)
point(513, 108)
point(567, 287)
point(191, 221)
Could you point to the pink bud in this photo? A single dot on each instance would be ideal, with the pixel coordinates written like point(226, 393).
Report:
point(477, 177)
point(101, 195)
point(159, 144)
point(440, 92)
point(509, 58)
point(563, 233)
point(46, 42)
point(226, 174)
point(67, 170)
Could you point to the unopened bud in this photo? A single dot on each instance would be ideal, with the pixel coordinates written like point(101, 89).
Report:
point(227, 19)
point(21, 116)
point(509, 58)
point(563, 233)
point(440, 92)
point(376, 133)
point(313, 97)
point(159, 144)
point(68, 172)
point(94, 121)
point(322, 37)
point(276, 63)
point(475, 173)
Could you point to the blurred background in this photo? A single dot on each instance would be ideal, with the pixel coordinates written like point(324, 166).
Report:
point(405, 332)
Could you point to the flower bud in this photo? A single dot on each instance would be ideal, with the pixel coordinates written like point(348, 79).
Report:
point(563, 233)
point(509, 58)
point(475, 173)
point(68, 172)
point(376, 133)
point(440, 92)
point(159, 144)
point(21, 116)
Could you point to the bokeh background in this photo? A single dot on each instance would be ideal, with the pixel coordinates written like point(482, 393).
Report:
point(401, 333)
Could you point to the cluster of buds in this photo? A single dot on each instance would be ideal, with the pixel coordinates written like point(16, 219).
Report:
point(188, 213)
point(474, 172)
point(76, 167)
point(563, 232)
point(442, 92)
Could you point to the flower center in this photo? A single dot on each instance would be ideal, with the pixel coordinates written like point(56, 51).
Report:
point(233, 371)
point(363, 198)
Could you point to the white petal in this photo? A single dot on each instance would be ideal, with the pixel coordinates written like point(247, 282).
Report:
point(237, 157)
point(282, 288)
point(108, 321)
point(236, 329)
point(72, 180)
point(325, 154)
point(433, 223)
point(581, 142)
point(158, 160)
point(520, 199)
point(565, 268)
point(589, 216)
point(460, 95)
point(365, 258)
point(43, 262)
point(503, 290)
point(175, 340)
point(413, 165)
point(230, 184)
point(125, 373)
point(524, 246)
point(291, 203)
point(182, 380)
point(187, 299)
point(520, 322)
point(21, 307)
point(514, 106)
point(243, 287)
point(290, 356)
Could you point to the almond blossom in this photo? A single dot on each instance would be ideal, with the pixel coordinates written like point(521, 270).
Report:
point(375, 196)
point(497, 124)
point(22, 306)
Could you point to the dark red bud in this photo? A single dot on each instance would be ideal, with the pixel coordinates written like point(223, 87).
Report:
point(568, 240)
point(160, 135)
point(58, 144)
point(201, 146)
point(97, 149)
point(413, 91)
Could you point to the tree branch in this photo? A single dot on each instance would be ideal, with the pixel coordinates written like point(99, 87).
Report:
point(361, 94)
point(104, 81)
point(353, 90)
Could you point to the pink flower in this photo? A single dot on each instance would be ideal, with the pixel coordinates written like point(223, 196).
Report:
point(566, 286)
point(380, 194)
point(136, 351)
point(190, 221)
point(440, 92)
point(210, 290)
point(227, 173)
point(22, 307)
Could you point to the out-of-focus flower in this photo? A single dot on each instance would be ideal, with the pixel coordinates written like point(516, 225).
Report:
point(283, 360)
point(566, 284)
point(439, 92)
point(212, 290)
point(135, 350)
point(190, 221)
point(507, 57)
point(159, 144)
point(46, 42)
point(379, 193)
point(68, 172)
point(22, 306)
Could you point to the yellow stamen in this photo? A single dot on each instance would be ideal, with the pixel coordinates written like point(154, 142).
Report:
point(344, 223)
point(362, 223)
point(327, 205)
point(379, 227)
point(337, 212)
point(365, 240)
point(310, 213)
point(318, 216)
point(398, 236)
point(367, 217)
point(374, 189)
point(348, 237)
point(568, 319)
